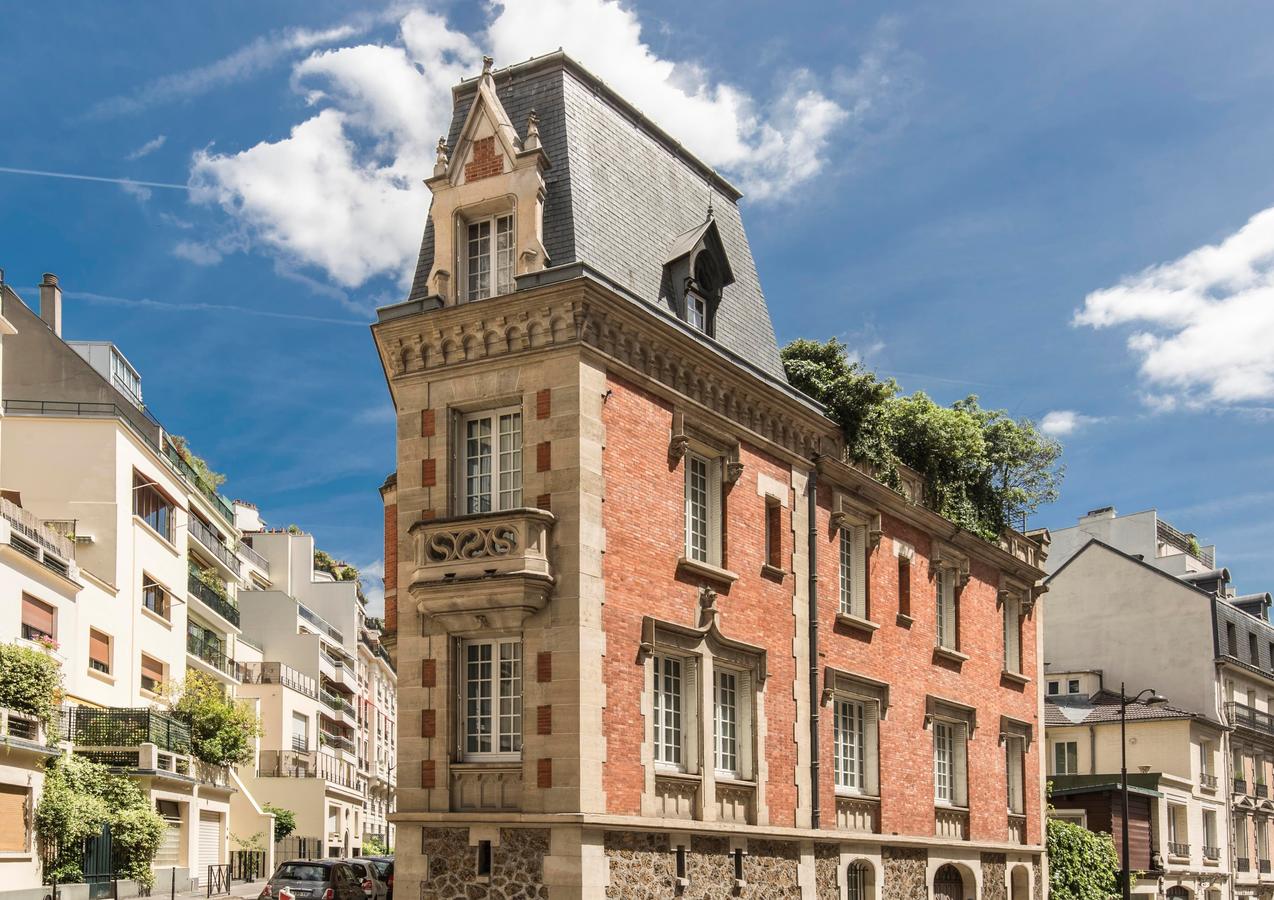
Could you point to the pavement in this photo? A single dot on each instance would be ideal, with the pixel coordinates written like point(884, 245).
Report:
point(240, 890)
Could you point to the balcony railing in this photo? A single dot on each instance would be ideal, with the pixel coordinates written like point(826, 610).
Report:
point(1208, 782)
point(214, 601)
point(1242, 864)
point(1178, 849)
point(119, 727)
point(219, 503)
point(278, 673)
point(212, 654)
point(20, 726)
point(314, 618)
point(1264, 866)
point(1242, 714)
point(335, 741)
point(1261, 790)
point(337, 703)
point(1211, 852)
point(1240, 786)
point(215, 545)
point(252, 556)
point(33, 529)
point(307, 764)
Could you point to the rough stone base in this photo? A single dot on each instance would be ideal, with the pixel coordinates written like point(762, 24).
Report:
point(517, 866)
point(905, 877)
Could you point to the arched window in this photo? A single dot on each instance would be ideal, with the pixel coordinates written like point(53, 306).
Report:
point(1177, 892)
point(858, 880)
point(948, 884)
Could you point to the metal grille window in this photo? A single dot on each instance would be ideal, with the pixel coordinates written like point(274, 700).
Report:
point(850, 744)
point(668, 711)
point(493, 697)
point(726, 723)
point(483, 253)
point(493, 461)
point(703, 509)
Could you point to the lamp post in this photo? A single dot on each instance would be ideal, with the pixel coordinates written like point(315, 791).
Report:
point(1153, 698)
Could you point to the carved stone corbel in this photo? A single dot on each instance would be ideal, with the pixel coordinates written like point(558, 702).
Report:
point(680, 441)
point(733, 466)
point(847, 513)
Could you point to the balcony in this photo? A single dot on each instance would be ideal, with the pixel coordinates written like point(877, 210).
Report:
point(315, 619)
point(1261, 790)
point(308, 764)
point(253, 557)
point(137, 741)
point(491, 565)
point(336, 742)
point(1264, 866)
point(219, 503)
point(1212, 853)
point(214, 545)
point(278, 673)
point(951, 823)
point(1244, 716)
point(1179, 850)
point(1208, 782)
point(1242, 864)
point(34, 539)
point(213, 600)
point(211, 654)
point(344, 710)
point(1240, 786)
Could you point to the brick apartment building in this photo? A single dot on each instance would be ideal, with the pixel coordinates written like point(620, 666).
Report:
point(654, 637)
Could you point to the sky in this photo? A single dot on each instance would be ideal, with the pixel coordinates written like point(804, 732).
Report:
point(1066, 209)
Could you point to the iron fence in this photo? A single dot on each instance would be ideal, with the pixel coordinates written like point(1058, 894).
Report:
point(120, 727)
point(213, 600)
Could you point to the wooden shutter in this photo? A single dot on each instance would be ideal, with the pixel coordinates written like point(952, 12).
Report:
point(960, 764)
point(13, 818)
point(858, 570)
point(1013, 749)
point(871, 745)
point(744, 703)
point(99, 648)
point(690, 703)
point(38, 615)
point(716, 511)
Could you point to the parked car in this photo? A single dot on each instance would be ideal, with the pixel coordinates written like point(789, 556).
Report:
point(314, 879)
point(374, 887)
point(385, 868)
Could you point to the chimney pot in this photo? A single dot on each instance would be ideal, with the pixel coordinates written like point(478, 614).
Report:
point(51, 302)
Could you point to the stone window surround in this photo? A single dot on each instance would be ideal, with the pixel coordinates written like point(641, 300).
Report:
point(456, 642)
point(958, 714)
point(720, 448)
point(490, 209)
point(846, 685)
point(705, 644)
point(457, 413)
point(946, 558)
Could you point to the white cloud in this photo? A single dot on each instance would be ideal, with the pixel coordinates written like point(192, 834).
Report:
point(148, 148)
point(197, 252)
point(343, 191)
point(133, 189)
point(1205, 321)
point(1061, 422)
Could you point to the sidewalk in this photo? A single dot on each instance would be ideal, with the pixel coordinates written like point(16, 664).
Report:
point(240, 890)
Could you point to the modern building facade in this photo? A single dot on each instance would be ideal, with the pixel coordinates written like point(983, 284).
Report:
point(656, 637)
point(1128, 594)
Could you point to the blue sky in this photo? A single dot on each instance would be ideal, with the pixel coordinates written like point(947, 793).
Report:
point(1057, 207)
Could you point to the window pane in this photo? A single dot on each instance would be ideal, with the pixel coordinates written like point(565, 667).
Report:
point(667, 710)
point(727, 723)
point(510, 461)
point(510, 697)
point(697, 508)
point(504, 254)
point(478, 698)
point(850, 743)
point(846, 576)
point(478, 465)
point(479, 268)
point(942, 780)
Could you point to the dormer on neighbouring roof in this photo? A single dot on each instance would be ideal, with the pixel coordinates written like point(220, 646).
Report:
point(695, 273)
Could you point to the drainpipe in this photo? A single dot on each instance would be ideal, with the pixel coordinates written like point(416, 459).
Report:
point(815, 693)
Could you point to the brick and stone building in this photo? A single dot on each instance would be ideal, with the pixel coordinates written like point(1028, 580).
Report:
point(655, 636)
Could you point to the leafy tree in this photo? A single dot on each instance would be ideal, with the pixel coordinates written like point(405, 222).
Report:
point(30, 682)
point(982, 468)
point(284, 820)
point(374, 846)
point(221, 729)
point(1082, 865)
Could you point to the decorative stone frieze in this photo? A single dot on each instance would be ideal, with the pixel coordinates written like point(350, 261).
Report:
point(858, 814)
point(486, 787)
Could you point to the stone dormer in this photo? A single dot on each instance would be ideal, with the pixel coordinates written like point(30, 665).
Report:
point(488, 202)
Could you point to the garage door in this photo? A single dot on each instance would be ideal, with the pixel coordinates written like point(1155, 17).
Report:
point(209, 842)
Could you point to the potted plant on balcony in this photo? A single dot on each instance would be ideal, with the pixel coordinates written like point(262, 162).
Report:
point(211, 480)
point(31, 683)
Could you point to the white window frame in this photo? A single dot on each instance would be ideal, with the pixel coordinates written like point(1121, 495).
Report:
point(504, 714)
point(853, 571)
point(697, 311)
point(947, 609)
point(501, 260)
point(1062, 765)
point(732, 718)
point(703, 508)
point(1015, 773)
point(674, 703)
point(505, 466)
point(855, 745)
point(1012, 634)
point(950, 763)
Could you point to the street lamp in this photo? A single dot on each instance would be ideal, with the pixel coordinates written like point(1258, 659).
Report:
point(1153, 698)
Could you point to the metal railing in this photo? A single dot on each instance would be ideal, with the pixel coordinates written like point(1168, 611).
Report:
point(1208, 782)
point(1264, 866)
point(1211, 852)
point(20, 726)
point(121, 727)
point(30, 526)
point(307, 764)
point(327, 739)
point(219, 503)
point(279, 673)
point(252, 556)
point(214, 601)
point(1178, 849)
point(311, 616)
point(1242, 864)
point(1240, 786)
point(300, 743)
point(209, 539)
point(219, 879)
point(337, 703)
point(212, 654)
point(1261, 790)
point(1242, 714)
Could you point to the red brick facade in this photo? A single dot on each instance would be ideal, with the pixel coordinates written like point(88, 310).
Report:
point(485, 162)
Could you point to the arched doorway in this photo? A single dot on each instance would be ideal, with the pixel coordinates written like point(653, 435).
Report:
point(948, 884)
point(1020, 883)
point(1177, 892)
point(859, 881)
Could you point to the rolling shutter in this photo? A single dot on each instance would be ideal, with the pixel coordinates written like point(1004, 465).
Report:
point(209, 841)
point(99, 649)
point(13, 818)
point(38, 615)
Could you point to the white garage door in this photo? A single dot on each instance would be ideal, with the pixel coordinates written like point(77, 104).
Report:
point(209, 842)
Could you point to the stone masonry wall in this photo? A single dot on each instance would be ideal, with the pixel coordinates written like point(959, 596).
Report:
point(993, 866)
point(643, 867)
point(826, 875)
point(904, 874)
point(517, 866)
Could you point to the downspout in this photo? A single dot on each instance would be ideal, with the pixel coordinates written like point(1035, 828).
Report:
point(815, 693)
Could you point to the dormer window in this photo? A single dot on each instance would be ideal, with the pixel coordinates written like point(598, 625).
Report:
point(695, 274)
point(489, 257)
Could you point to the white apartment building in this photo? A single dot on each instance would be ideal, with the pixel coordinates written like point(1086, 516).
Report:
point(377, 714)
point(121, 562)
point(1144, 603)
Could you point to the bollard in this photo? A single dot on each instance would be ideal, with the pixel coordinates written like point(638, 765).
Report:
point(173, 893)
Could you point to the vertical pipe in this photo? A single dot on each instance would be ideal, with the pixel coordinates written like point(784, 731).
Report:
point(815, 808)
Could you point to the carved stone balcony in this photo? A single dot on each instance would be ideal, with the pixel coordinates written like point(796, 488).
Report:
point(486, 787)
point(950, 822)
point(489, 569)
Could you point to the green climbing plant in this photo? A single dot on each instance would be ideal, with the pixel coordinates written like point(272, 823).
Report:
point(30, 682)
point(1082, 865)
point(374, 846)
point(212, 480)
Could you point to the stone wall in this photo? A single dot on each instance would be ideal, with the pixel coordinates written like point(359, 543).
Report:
point(826, 876)
point(904, 874)
point(993, 866)
point(771, 870)
point(643, 867)
point(517, 866)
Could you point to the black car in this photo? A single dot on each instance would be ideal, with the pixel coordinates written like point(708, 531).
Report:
point(385, 869)
point(313, 879)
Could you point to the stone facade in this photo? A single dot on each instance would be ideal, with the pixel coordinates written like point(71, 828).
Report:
point(517, 866)
point(904, 874)
point(827, 872)
point(993, 875)
point(642, 867)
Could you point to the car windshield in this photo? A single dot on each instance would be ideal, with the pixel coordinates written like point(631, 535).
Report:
point(383, 868)
point(301, 872)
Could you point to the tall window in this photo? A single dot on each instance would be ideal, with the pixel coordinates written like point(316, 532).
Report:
point(945, 600)
point(300, 731)
point(703, 509)
point(849, 735)
point(492, 461)
point(155, 597)
point(1205, 757)
point(1209, 834)
point(774, 533)
point(1015, 773)
point(1242, 848)
point(493, 697)
point(99, 651)
point(668, 711)
point(726, 722)
point(39, 620)
point(152, 674)
point(151, 506)
point(904, 586)
point(1231, 640)
point(1066, 758)
point(490, 246)
point(1012, 634)
point(853, 571)
point(950, 787)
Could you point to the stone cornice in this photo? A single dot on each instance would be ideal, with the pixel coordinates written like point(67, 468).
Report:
point(582, 311)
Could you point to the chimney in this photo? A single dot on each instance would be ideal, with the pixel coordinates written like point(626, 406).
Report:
point(51, 302)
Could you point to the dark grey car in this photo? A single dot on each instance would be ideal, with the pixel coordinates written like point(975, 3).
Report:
point(314, 879)
point(369, 879)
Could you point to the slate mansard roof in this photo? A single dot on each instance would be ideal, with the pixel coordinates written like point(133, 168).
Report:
point(619, 192)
